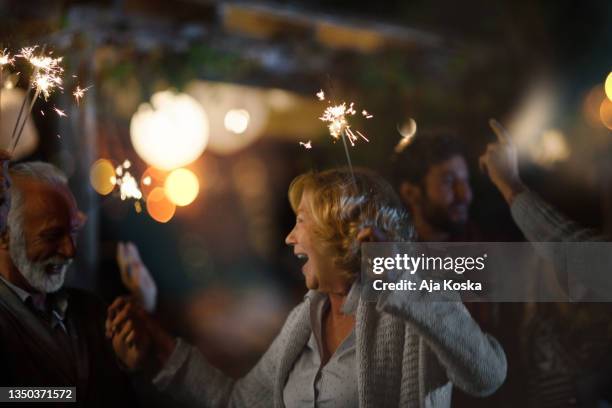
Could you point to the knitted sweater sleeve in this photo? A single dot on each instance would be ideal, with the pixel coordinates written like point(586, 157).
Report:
point(474, 361)
point(190, 379)
point(540, 222)
point(550, 232)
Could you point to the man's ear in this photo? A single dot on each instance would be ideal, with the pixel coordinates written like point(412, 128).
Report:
point(410, 194)
point(4, 239)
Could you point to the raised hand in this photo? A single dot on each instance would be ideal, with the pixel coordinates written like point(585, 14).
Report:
point(500, 163)
point(136, 276)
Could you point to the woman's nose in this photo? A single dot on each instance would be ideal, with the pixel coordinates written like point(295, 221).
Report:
point(290, 239)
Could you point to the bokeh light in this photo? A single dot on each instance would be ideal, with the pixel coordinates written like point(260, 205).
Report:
point(170, 132)
point(608, 86)
point(592, 105)
point(159, 207)
point(237, 114)
point(605, 113)
point(237, 120)
point(182, 187)
point(101, 175)
point(551, 148)
point(152, 178)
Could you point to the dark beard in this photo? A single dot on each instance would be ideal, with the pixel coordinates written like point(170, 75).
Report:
point(438, 218)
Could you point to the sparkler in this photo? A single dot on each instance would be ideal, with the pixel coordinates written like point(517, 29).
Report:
point(46, 77)
point(339, 126)
point(128, 186)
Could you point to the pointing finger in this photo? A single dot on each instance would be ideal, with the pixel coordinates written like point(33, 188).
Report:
point(500, 131)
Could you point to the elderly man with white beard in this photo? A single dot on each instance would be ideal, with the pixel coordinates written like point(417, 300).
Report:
point(51, 335)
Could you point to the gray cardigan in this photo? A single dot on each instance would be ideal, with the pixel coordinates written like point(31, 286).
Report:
point(540, 222)
point(549, 231)
point(408, 354)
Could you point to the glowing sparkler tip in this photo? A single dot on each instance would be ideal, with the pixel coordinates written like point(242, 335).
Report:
point(5, 58)
point(321, 95)
point(339, 126)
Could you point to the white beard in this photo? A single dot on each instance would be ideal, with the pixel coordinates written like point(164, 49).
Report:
point(35, 272)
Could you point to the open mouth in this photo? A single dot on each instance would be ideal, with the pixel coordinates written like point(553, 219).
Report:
point(303, 258)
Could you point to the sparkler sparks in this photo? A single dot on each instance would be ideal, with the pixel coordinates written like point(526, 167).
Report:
point(45, 82)
point(45, 78)
point(128, 186)
point(338, 122)
point(60, 112)
point(5, 58)
point(46, 63)
point(47, 70)
point(337, 118)
point(307, 145)
point(79, 93)
point(27, 52)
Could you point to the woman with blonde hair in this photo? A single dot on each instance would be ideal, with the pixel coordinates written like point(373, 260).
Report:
point(335, 348)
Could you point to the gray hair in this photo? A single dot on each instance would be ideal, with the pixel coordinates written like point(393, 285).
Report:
point(42, 172)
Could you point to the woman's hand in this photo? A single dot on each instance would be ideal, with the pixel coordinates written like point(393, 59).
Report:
point(500, 163)
point(135, 275)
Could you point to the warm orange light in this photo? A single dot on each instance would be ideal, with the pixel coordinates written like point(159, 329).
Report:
point(608, 86)
point(605, 113)
point(100, 176)
point(150, 179)
point(182, 187)
point(592, 105)
point(159, 207)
